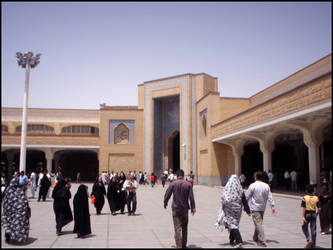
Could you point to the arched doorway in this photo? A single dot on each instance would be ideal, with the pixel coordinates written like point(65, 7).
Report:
point(174, 151)
point(252, 160)
point(73, 161)
point(35, 161)
point(290, 154)
point(10, 161)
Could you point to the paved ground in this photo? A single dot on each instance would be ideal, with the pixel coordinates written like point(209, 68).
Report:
point(152, 227)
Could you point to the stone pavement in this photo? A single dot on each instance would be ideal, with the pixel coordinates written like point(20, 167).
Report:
point(152, 227)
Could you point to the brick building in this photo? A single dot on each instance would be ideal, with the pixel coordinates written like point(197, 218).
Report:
point(183, 122)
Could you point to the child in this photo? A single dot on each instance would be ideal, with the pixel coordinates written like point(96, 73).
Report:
point(309, 204)
point(152, 179)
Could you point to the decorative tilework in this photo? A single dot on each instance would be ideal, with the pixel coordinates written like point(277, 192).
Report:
point(130, 124)
point(184, 119)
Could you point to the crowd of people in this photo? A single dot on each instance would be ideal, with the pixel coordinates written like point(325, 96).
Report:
point(121, 192)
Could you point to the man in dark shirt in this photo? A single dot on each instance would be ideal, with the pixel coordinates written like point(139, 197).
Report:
point(182, 193)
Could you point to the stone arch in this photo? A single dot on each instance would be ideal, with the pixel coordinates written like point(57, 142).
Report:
point(290, 153)
point(252, 159)
point(72, 161)
point(10, 160)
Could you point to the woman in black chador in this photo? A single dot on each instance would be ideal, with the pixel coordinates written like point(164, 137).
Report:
point(99, 191)
point(61, 195)
point(324, 192)
point(81, 212)
point(114, 195)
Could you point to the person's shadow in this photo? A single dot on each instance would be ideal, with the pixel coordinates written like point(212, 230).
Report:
point(86, 236)
point(193, 246)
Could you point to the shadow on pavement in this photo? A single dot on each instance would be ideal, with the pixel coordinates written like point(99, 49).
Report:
point(66, 232)
point(193, 246)
point(273, 241)
point(86, 236)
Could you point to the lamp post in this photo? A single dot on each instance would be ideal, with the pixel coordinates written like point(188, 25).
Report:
point(26, 61)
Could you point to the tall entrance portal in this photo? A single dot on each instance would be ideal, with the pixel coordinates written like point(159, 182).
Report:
point(173, 151)
point(166, 134)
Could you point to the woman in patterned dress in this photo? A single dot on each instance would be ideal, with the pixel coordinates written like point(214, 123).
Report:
point(16, 213)
point(229, 215)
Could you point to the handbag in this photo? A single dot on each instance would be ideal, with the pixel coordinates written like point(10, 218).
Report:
point(93, 199)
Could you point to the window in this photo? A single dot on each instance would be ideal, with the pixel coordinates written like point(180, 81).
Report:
point(80, 129)
point(37, 129)
point(4, 128)
point(203, 123)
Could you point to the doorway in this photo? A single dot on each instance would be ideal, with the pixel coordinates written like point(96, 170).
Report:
point(174, 151)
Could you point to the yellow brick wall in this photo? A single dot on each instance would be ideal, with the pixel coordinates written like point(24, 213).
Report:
point(312, 93)
point(119, 157)
point(216, 159)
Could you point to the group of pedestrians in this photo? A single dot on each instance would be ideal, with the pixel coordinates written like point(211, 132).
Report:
point(234, 199)
point(121, 191)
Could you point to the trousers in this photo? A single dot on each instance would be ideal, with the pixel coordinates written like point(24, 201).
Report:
point(131, 199)
point(258, 217)
point(311, 218)
point(180, 222)
point(235, 236)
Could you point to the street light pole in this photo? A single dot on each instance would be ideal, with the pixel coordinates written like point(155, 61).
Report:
point(27, 61)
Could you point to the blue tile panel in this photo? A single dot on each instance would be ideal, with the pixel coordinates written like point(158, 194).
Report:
point(130, 124)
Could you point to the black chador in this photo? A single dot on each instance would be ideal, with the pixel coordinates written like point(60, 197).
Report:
point(81, 212)
point(98, 191)
point(114, 196)
point(63, 213)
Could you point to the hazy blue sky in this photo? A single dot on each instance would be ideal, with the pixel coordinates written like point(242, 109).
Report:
point(96, 52)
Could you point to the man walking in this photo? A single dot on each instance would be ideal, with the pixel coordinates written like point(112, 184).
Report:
point(130, 186)
point(257, 195)
point(182, 193)
point(293, 176)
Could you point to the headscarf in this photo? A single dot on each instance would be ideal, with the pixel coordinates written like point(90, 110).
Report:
point(232, 193)
point(81, 196)
point(60, 186)
point(231, 205)
point(16, 212)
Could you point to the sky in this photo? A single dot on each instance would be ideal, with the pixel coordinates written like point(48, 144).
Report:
point(98, 52)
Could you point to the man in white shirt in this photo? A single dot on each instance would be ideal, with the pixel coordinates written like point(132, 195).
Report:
point(171, 177)
point(130, 186)
point(104, 180)
point(286, 179)
point(257, 195)
point(293, 176)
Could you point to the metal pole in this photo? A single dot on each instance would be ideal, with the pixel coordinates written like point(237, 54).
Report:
point(24, 120)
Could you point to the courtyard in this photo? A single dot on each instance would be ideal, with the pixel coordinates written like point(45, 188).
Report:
point(152, 227)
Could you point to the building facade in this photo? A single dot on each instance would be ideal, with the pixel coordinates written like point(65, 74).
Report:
point(182, 122)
